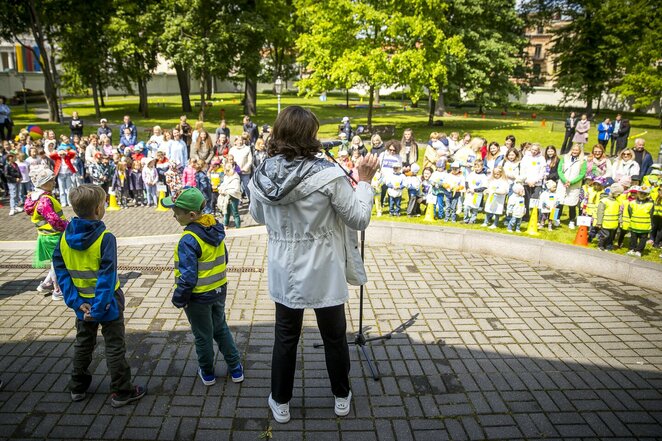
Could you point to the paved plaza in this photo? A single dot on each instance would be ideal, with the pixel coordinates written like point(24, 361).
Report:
point(497, 349)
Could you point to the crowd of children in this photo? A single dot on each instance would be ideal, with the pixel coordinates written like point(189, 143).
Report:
point(470, 178)
point(134, 171)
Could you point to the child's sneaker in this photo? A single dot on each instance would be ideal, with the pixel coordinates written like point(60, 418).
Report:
point(571, 225)
point(484, 224)
point(281, 412)
point(207, 380)
point(57, 295)
point(80, 396)
point(518, 231)
point(118, 400)
point(44, 288)
point(630, 253)
point(637, 254)
point(342, 406)
point(509, 230)
point(492, 227)
point(11, 212)
point(237, 374)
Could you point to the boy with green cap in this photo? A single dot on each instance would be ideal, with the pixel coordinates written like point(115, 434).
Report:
point(201, 283)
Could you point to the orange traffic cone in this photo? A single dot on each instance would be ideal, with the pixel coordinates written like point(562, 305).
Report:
point(581, 238)
point(160, 207)
point(112, 205)
point(532, 228)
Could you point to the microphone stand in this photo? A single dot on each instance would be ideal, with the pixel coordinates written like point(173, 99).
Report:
point(360, 339)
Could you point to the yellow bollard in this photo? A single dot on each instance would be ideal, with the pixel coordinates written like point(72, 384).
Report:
point(429, 213)
point(532, 228)
point(160, 207)
point(112, 203)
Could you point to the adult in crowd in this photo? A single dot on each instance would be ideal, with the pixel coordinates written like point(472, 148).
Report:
point(156, 139)
point(357, 144)
point(598, 165)
point(389, 158)
point(408, 150)
point(551, 164)
point(243, 157)
point(605, 130)
point(184, 129)
point(570, 126)
point(64, 170)
point(222, 145)
point(202, 148)
point(572, 170)
point(346, 128)
point(128, 124)
point(625, 166)
point(222, 129)
point(75, 126)
point(493, 157)
point(199, 127)
point(614, 134)
point(622, 135)
point(178, 151)
point(6, 123)
point(251, 128)
point(643, 158)
point(104, 129)
point(92, 149)
point(581, 131)
point(311, 213)
point(377, 145)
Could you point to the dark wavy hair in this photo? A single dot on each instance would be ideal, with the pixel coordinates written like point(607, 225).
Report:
point(294, 134)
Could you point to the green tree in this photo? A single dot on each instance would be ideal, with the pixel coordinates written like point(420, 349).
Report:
point(279, 58)
point(35, 17)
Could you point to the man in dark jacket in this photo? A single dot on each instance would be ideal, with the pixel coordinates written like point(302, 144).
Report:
point(104, 129)
point(570, 124)
point(251, 128)
point(643, 158)
point(128, 124)
point(622, 137)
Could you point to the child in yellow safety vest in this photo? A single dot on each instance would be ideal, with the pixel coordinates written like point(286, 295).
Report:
point(640, 212)
point(46, 214)
point(85, 262)
point(201, 283)
point(592, 196)
point(624, 219)
point(607, 215)
point(656, 221)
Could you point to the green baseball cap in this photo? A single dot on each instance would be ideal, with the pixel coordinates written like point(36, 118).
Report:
point(190, 199)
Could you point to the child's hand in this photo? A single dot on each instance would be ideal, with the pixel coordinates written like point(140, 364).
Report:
point(86, 308)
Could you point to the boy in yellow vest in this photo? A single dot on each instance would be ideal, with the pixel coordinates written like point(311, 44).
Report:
point(85, 263)
point(640, 211)
point(201, 283)
point(607, 216)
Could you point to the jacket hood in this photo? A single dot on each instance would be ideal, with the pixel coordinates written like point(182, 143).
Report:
point(279, 181)
point(208, 229)
point(81, 233)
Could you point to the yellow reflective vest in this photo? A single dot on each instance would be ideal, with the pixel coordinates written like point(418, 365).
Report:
point(592, 200)
point(211, 265)
point(640, 216)
point(83, 266)
point(610, 215)
point(43, 227)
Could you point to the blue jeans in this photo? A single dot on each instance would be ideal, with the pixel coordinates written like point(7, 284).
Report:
point(152, 199)
point(64, 184)
point(450, 202)
point(394, 205)
point(439, 207)
point(490, 216)
point(245, 179)
point(208, 325)
point(13, 194)
point(515, 223)
point(470, 215)
point(26, 187)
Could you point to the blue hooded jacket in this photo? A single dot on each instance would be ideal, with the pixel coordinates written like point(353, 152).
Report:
point(107, 303)
point(189, 253)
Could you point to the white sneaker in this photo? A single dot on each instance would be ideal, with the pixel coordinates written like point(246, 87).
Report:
point(630, 253)
point(11, 212)
point(57, 295)
point(281, 412)
point(571, 225)
point(20, 209)
point(637, 254)
point(342, 406)
point(44, 288)
point(492, 227)
point(557, 223)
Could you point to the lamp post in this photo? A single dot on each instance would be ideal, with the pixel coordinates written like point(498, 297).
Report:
point(278, 86)
point(25, 101)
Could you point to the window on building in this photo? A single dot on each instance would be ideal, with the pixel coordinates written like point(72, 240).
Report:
point(538, 51)
point(540, 30)
point(4, 61)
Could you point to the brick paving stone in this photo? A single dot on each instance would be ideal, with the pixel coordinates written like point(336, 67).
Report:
point(486, 358)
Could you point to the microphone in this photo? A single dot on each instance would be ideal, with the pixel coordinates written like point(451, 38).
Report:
point(328, 145)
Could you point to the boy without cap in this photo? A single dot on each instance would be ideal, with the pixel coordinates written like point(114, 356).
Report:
point(85, 262)
point(201, 283)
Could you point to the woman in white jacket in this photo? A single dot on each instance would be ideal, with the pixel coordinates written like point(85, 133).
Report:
point(532, 170)
point(625, 165)
point(311, 213)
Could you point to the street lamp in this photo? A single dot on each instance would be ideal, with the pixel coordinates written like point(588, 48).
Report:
point(278, 86)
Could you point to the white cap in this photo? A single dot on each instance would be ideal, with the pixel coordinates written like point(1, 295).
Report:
point(41, 175)
point(415, 168)
point(345, 118)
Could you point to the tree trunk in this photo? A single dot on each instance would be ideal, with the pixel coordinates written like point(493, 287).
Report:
point(203, 87)
point(589, 105)
point(103, 101)
point(440, 107)
point(208, 79)
point(142, 92)
point(250, 95)
point(431, 109)
point(370, 101)
point(347, 98)
point(95, 96)
point(184, 87)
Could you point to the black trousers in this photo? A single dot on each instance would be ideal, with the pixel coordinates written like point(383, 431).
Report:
point(638, 241)
point(332, 325)
point(530, 193)
point(606, 238)
point(567, 141)
point(86, 340)
point(656, 231)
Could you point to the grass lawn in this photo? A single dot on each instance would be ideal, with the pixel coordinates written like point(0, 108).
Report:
point(165, 111)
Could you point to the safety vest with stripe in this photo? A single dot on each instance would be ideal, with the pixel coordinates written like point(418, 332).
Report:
point(592, 200)
point(43, 227)
point(211, 265)
point(83, 266)
point(657, 208)
point(640, 216)
point(610, 215)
